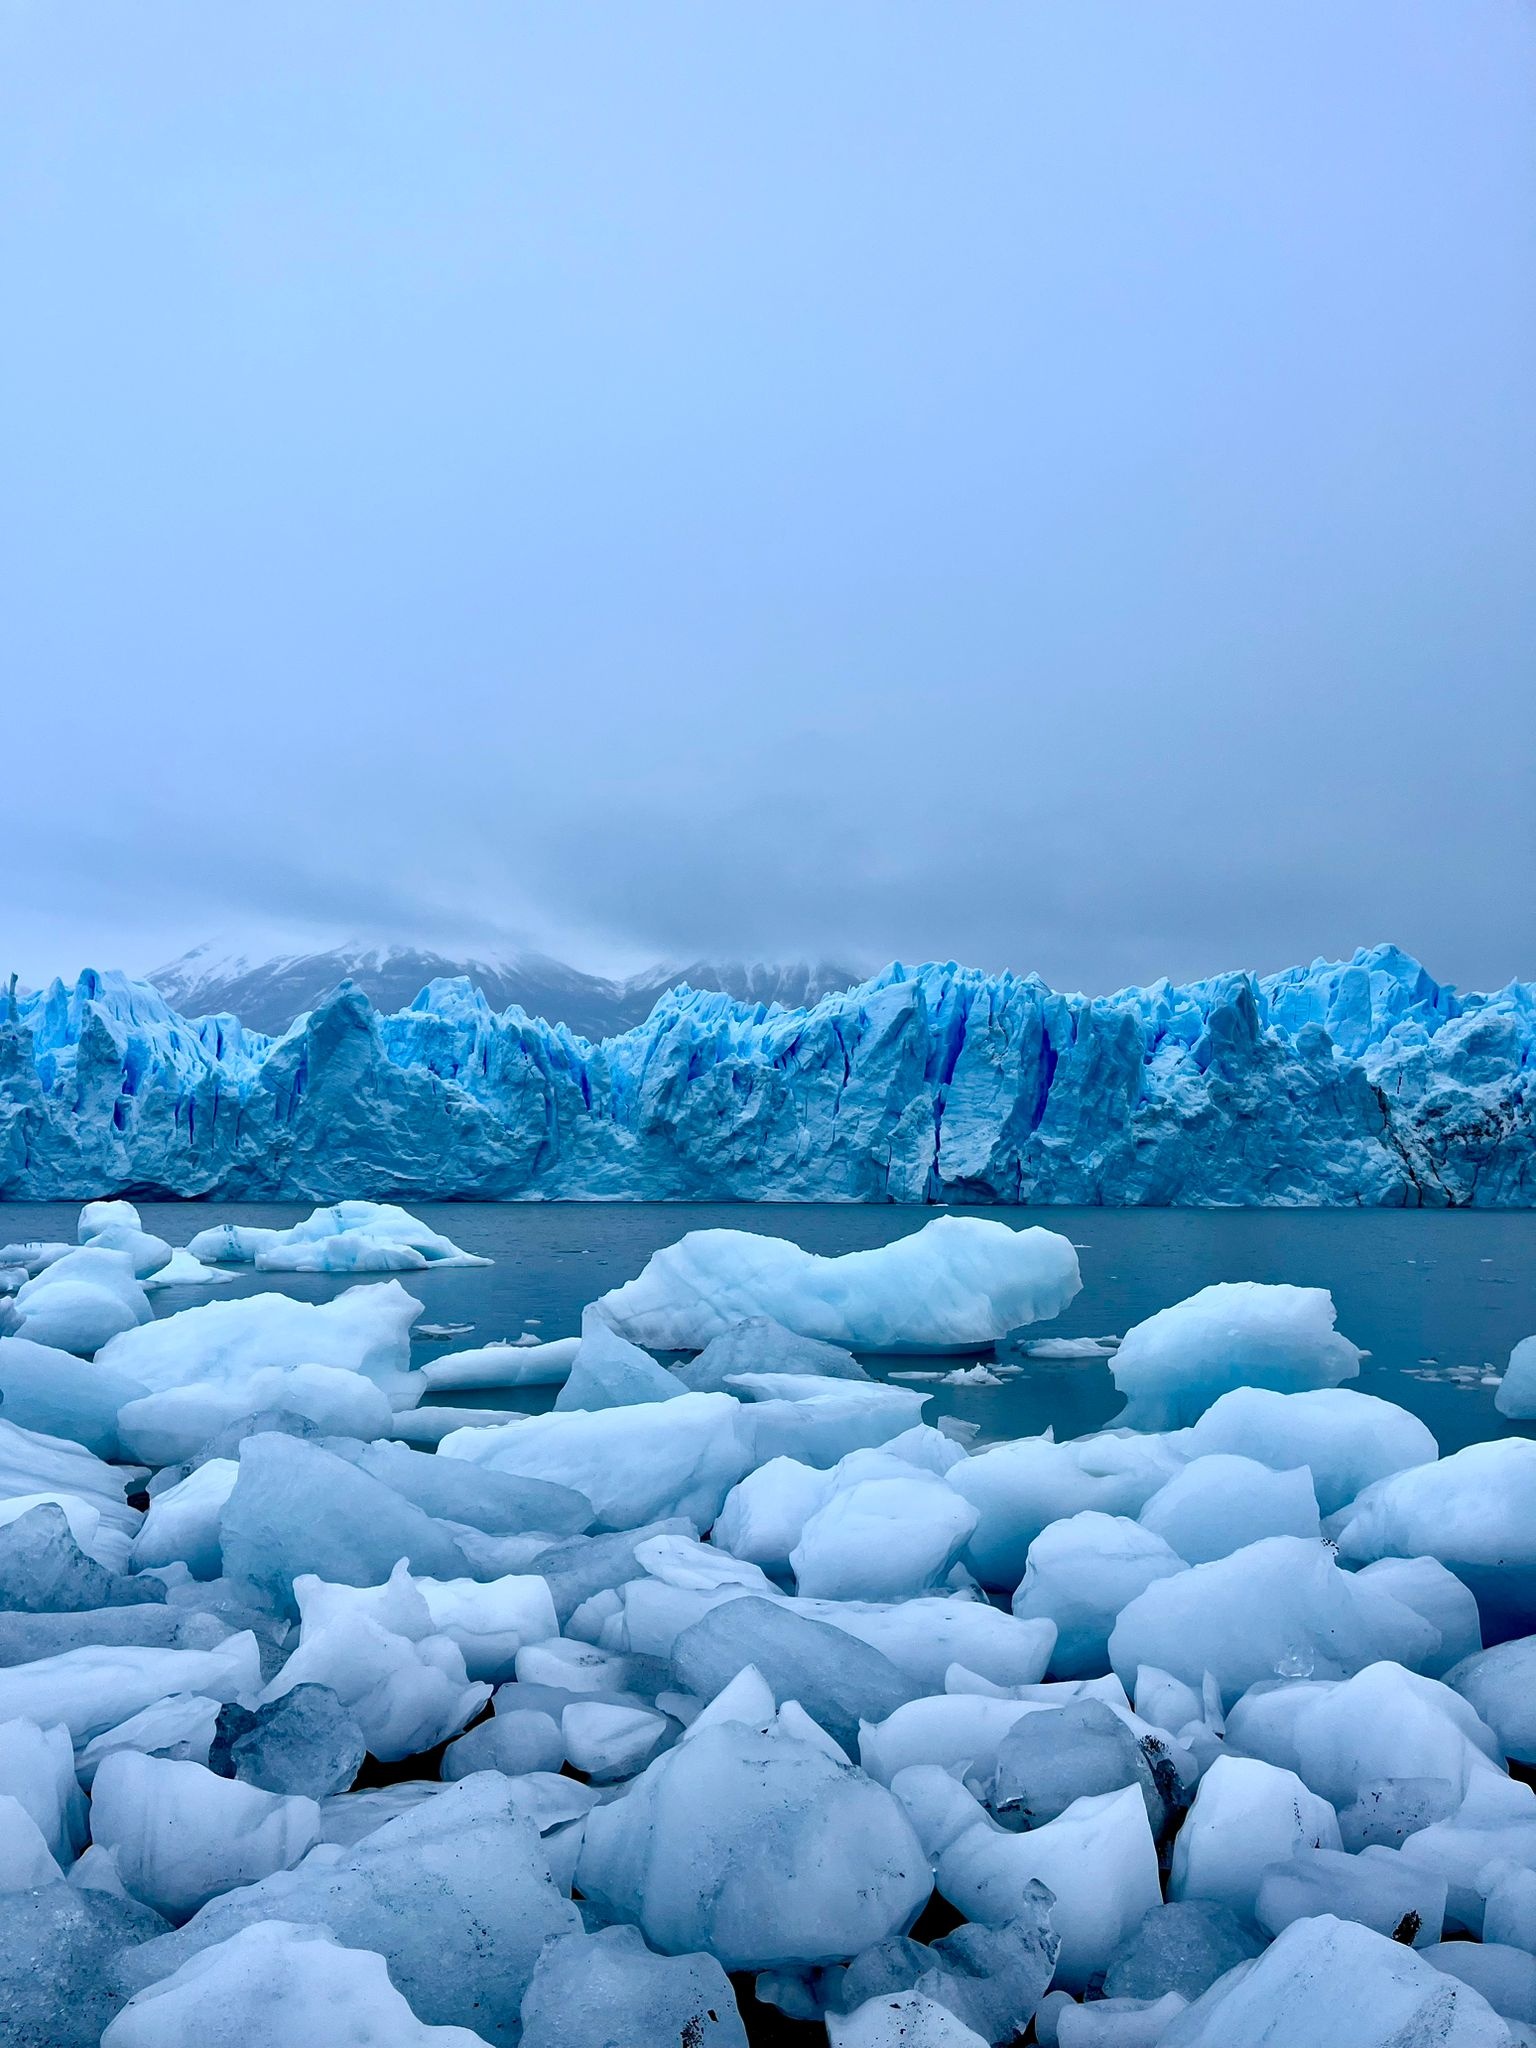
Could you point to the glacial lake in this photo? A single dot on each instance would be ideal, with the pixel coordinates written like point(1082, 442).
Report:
point(1438, 1297)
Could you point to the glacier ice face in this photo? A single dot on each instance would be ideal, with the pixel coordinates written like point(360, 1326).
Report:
point(1361, 1082)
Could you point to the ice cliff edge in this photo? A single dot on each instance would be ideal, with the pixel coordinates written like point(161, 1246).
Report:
point(1363, 1082)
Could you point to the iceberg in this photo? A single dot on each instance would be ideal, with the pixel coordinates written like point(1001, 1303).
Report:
point(1236, 1334)
point(957, 1283)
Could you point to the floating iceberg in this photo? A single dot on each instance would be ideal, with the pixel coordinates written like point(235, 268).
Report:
point(958, 1282)
point(1236, 1334)
point(348, 1237)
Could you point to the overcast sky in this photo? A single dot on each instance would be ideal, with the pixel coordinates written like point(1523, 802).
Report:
point(1047, 482)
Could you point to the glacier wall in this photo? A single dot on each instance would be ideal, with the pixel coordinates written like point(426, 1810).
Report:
point(1363, 1082)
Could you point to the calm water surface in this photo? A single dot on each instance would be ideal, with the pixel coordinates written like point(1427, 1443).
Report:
point(1438, 1297)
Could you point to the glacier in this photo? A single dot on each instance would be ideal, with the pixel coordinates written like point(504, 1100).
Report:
point(1363, 1082)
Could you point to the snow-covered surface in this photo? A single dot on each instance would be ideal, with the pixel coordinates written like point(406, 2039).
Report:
point(1357, 1082)
point(1204, 1728)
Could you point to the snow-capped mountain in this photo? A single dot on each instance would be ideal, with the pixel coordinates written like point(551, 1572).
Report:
point(267, 994)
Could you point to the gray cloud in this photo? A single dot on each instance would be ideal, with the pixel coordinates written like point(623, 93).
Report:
point(1054, 488)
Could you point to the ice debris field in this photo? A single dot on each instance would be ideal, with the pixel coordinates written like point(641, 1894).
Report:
point(730, 1701)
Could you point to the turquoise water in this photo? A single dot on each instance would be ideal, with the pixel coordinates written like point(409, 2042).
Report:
point(1438, 1297)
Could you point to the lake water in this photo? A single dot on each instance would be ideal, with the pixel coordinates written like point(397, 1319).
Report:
point(1438, 1297)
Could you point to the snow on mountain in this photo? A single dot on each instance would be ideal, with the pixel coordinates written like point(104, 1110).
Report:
point(1361, 1082)
point(267, 994)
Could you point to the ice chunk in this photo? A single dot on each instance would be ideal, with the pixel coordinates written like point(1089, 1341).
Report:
point(608, 1741)
point(1246, 1816)
point(1506, 1977)
point(33, 1463)
point(297, 1509)
point(25, 1858)
point(608, 1990)
point(1281, 1607)
point(92, 1689)
point(904, 2020)
point(1475, 1511)
point(366, 1329)
point(1182, 1947)
point(350, 1254)
point(278, 1985)
point(1024, 1486)
point(1386, 1811)
point(95, 1217)
point(992, 1978)
point(1345, 1439)
point(81, 1302)
point(1221, 1503)
point(1500, 1686)
point(43, 1570)
point(1516, 1396)
point(182, 1270)
point(183, 1522)
point(305, 1742)
point(1380, 1888)
point(1117, 2022)
point(1098, 1858)
point(765, 1512)
point(959, 1282)
point(1238, 1333)
point(1076, 1751)
point(1384, 1722)
point(56, 1945)
point(181, 1835)
point(1330, 1980)
point(820, 1421)
point(1510, 1913)
point(490, 1620)
point(500, 1503)
point(56, 1394)
point(106, 1545)
point(170, 1426)
point(502, 1365)
point(454, 1894)
point(607, 1372)
point(406, 1695)
point(1425, 1585)
point(882, 1539)
point(1080, 1572)
point(37, 1770)
point(146, 1254)
point(758, 1345)
point(181, 1727)
point(347, 1237)
point(513, 1741)
point(634, 1464)
point(838, 1680)
point(25, 1638)
point(757, 1848)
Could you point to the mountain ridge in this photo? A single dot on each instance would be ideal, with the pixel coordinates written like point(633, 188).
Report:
point(269, 994)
